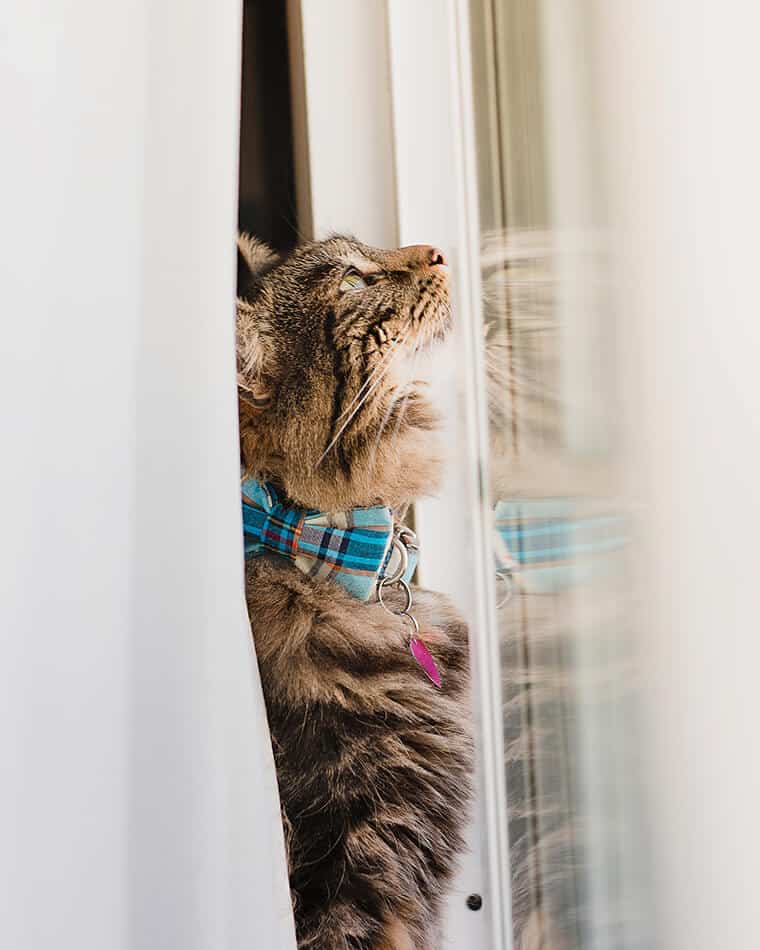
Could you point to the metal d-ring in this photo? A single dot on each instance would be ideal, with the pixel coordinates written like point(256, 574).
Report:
point(398, 545)
point(509, 583)
point(407, 537)
point(386, 581)
point(403, 539)
point(407, 616)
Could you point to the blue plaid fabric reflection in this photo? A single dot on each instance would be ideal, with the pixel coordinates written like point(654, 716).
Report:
point(556, 543)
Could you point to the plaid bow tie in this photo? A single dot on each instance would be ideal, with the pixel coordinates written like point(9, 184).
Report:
point(353, 547)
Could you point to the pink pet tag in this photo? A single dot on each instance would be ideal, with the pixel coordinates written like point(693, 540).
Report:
point(422, 655)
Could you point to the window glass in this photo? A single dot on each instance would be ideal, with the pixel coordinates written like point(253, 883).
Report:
point(563, 541)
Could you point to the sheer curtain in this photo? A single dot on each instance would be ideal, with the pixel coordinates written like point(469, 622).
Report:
point(139, 804)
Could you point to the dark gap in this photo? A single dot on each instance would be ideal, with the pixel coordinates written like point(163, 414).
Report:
point(267, 202)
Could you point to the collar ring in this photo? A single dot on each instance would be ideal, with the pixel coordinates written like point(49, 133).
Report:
point(401, 583)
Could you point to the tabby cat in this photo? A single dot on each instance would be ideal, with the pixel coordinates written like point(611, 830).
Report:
point(374, 762)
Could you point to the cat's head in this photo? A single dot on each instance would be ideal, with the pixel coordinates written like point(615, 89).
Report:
point(327, 338)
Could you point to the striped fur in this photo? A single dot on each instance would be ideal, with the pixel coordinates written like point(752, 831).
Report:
point(373, 762)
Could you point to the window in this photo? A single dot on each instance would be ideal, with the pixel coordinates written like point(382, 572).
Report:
point(499, 166)
point(567, 657)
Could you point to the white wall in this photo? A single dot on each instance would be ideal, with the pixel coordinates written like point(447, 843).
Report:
point(137, 786)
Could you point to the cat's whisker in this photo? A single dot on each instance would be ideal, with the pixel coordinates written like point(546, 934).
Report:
point(383, 424)
point(385, 359)
point(392, 403)
point(366, 396)
point(402, 411)
point(409, 389)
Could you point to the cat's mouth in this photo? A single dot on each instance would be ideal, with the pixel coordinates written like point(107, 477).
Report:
point(433, 308)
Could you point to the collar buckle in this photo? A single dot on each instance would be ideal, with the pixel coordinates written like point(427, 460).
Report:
point(404, 540)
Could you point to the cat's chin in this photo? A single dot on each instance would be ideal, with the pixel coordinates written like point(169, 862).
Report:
point(417, 364)
point(399, 472)
point(412, 471)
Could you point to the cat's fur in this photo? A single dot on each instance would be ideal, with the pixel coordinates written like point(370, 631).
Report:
point(373, 762)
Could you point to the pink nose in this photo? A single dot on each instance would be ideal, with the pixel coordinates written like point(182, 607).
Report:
point(423, 255)
point(436, 256)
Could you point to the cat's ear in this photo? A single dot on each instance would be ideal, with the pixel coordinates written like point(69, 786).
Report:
point(255, 353)
point(254, 259)
point(256, 369)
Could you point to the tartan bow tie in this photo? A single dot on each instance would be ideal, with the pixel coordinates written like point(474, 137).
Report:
point(353, 547)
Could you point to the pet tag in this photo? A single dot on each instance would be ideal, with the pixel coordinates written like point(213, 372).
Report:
point(422, 655)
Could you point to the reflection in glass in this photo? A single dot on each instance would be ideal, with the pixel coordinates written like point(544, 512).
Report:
point(562, 539)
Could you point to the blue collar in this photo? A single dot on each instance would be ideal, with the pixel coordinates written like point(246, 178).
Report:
point(354, 548)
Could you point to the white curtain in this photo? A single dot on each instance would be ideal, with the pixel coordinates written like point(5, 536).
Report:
point(137, 789)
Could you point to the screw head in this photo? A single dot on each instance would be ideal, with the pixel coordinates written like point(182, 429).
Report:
point(474, 901)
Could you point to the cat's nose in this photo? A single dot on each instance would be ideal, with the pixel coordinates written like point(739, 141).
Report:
point(424, 255)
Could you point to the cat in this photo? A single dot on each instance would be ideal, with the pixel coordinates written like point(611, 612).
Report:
point(374, 762)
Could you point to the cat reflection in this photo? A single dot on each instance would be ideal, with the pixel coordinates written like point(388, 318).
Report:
point(561, 541)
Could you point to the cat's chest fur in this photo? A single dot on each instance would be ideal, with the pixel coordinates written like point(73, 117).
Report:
point(373, 761)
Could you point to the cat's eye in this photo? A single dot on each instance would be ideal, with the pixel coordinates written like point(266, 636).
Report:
point(353, 280)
